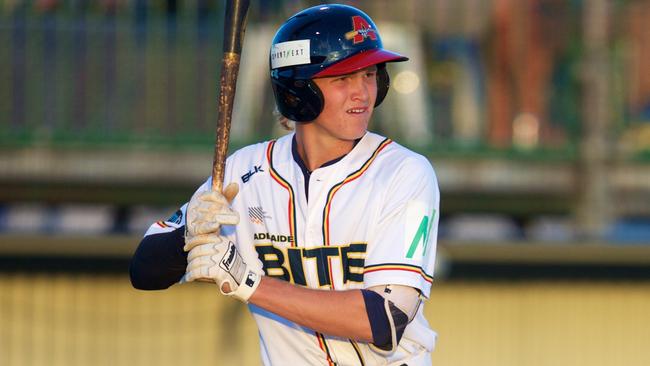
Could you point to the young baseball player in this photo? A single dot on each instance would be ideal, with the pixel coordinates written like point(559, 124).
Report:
point(328, 233)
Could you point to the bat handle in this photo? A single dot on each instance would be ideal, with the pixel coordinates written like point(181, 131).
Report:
point(234, 27)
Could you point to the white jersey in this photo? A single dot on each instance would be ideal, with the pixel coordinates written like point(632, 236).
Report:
point(369, 219)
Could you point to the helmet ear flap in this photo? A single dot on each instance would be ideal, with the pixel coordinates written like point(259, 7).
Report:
point(297, 100)
point(383, 83)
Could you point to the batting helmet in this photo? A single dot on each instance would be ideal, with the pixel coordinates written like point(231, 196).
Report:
point(325, 40)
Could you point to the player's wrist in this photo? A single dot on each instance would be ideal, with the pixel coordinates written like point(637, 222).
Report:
point(244, 291)
point(241, 280)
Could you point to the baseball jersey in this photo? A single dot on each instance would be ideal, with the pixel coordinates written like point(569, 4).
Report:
point(367, 219)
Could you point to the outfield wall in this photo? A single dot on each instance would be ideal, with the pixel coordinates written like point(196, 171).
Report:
point(95, 320)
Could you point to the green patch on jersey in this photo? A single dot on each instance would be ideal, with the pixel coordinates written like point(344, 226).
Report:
point(421, 236)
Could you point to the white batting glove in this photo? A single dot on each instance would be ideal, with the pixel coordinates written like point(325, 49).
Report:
point(208, 210)
point(216, 258)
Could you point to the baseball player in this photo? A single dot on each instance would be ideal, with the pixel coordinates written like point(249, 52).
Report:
point(328, 233)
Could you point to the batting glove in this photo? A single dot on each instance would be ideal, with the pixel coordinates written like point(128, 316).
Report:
point(219, 260)
point(208, 210)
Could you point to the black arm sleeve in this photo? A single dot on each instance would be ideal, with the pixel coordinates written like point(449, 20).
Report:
point(159, 261)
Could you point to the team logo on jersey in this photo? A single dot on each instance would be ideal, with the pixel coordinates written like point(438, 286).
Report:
point(256, 169)
point(418, 227)
point(291, 263)
point(360, 30)
point(257, 215)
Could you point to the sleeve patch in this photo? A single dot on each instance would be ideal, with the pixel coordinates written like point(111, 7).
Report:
point(176, 218)
point(172, 223)
point(419, 219)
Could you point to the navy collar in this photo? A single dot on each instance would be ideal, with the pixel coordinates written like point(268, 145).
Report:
point(303, 167)
point(301, 163)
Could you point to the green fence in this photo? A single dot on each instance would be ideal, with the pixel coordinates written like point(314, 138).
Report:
point(144, 73)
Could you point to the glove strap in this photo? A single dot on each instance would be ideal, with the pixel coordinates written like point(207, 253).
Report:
point(245, 289)
point(243, 280)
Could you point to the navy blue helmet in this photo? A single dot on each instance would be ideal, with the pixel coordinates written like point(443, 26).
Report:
point(325, 40)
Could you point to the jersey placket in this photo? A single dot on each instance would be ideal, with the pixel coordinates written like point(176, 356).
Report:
point(318, 188)
point(321, 181)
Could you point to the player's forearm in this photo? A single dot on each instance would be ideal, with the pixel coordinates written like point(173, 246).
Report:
point(337, 313)
point(159, 261)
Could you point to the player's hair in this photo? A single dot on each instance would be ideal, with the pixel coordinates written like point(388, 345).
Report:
point(285, 122)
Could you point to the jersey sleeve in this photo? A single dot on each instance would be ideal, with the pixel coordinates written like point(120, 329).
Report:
point(175, 221)
point(402, 250)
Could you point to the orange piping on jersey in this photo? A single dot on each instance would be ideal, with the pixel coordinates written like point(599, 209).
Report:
point(336, 187)
point(398, 267)
point(162, 224)
point(323, 346)
point(291, 207)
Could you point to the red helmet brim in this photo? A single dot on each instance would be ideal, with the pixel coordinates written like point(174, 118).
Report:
point(360, 61)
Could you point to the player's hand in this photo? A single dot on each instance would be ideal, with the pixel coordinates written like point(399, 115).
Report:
point(220, 261)
point(208, 210)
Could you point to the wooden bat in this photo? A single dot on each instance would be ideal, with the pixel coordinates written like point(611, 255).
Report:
point(233, 38)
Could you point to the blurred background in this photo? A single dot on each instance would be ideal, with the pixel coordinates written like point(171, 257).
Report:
point(534, 113)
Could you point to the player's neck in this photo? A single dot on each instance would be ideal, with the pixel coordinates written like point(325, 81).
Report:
point(315, 150)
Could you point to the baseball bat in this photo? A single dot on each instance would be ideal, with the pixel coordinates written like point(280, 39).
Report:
point(233, 38)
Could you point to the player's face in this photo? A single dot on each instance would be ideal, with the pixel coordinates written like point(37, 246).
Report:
point(349, 103)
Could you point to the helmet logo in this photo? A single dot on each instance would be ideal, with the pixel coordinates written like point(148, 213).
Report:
point(361, 30)
point(290, 53)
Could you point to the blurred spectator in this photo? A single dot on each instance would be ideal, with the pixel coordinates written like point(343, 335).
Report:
point(527, 37)
point(46, 5)
point(638, 59)
point(635, 137)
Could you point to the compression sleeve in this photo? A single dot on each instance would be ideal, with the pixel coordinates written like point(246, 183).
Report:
point(159, 261)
